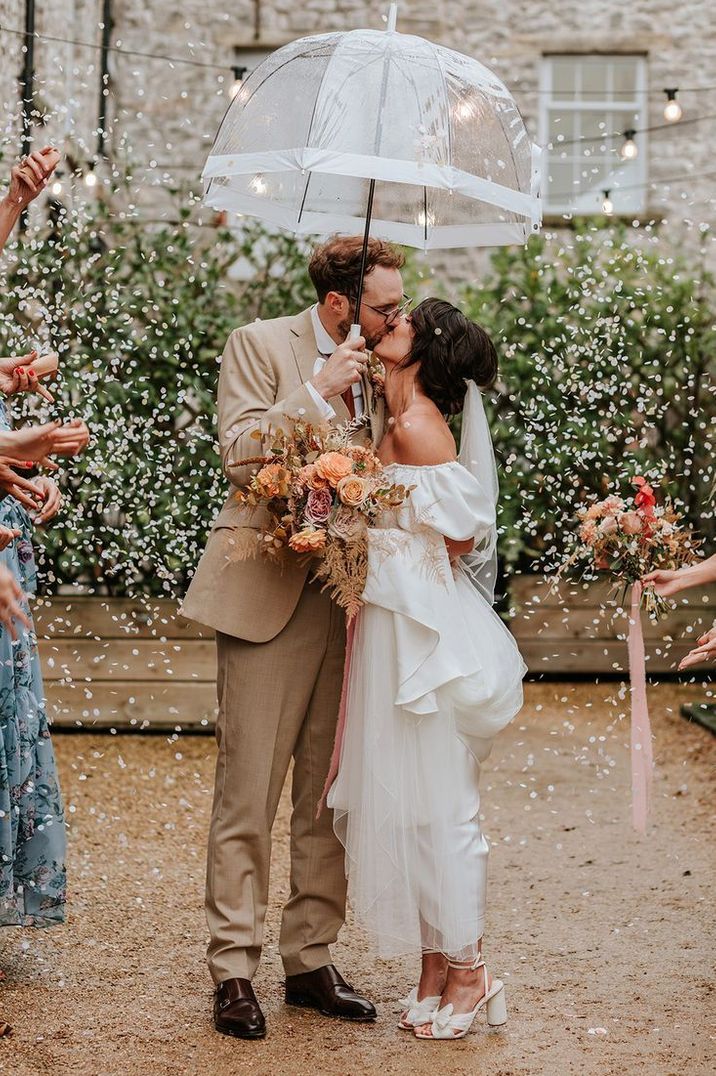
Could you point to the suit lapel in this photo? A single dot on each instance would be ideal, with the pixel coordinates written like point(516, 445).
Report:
point(305, 352)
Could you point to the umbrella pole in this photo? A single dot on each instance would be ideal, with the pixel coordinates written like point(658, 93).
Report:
point(355, 327)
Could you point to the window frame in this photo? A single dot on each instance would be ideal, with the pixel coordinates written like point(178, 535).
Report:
point(636, 200)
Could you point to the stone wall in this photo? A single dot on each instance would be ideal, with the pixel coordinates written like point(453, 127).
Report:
point(164, 117)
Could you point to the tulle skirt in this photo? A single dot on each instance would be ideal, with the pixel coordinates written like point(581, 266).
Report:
point(406, 799)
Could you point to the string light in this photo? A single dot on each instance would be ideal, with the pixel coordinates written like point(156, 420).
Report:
point(239, 73)
point(56, 185)
point(672, 109)
point(607, 204)
point(629, 150)
point(90, 176)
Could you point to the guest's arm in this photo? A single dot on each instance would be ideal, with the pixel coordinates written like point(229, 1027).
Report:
point(27, 180)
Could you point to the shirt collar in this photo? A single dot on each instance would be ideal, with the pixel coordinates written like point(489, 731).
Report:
point(324, 341)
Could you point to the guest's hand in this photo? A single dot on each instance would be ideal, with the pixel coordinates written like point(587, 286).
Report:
point(705, 650)
point(17, 375)
point(36, 443)
point(29, 178)
point(8, 536)
point(22, 489)
point(53, 500)
point(10, 597)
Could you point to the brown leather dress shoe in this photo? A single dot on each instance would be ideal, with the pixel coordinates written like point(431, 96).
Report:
point(326, 990)
point(236, 1010)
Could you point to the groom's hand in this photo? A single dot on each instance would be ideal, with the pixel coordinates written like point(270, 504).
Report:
point(344, 368)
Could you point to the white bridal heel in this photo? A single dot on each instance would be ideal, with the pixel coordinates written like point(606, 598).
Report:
point(417, 1012)
point(447, 1024)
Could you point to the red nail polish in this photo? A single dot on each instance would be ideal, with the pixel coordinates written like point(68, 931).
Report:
point(31, 373)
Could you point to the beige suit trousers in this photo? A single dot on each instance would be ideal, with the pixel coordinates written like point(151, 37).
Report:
point(277, 700)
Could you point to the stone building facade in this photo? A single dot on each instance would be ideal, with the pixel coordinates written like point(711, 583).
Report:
point(585, 65)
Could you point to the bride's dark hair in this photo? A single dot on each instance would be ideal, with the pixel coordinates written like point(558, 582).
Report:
point(450, 350)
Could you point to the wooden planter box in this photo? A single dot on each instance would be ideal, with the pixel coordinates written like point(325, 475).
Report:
point(578, 629)
point(117, 663)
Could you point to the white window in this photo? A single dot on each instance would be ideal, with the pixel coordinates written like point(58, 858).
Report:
point(584, 100)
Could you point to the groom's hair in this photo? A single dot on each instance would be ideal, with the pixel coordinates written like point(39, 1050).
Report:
point(335, 265)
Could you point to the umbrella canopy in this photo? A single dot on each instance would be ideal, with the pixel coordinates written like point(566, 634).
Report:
point(329, 125)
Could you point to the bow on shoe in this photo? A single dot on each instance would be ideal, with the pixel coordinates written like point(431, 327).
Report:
point(442, 1016)
point(407, 1003)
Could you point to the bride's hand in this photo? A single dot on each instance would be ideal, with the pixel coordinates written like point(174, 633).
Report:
point(667, 583)
point(458, 549)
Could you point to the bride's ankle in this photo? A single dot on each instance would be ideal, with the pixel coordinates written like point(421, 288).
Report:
point(433, 975)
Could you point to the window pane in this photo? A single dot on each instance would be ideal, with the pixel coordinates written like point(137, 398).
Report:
point(624, 76)
point(563, 72)
point(561, 126)
point(594, 80)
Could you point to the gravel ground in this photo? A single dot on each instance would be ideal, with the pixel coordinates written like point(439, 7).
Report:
point(605, 939)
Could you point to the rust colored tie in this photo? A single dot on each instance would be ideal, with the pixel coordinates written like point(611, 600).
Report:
point(349, 401)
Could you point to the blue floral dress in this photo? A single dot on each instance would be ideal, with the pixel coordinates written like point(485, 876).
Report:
point(32, 826)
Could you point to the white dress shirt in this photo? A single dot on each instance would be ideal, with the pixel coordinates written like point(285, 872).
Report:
point(326, 346)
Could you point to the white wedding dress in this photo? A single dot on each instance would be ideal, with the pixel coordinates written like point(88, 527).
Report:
point(434, 675)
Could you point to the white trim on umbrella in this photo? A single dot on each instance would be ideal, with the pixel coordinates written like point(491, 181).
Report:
point(440, 237)
point(389, 170)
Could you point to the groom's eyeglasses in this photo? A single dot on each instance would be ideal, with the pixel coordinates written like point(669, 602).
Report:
point(393, 313)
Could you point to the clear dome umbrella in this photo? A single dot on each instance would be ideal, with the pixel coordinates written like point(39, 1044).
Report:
point(382, 132)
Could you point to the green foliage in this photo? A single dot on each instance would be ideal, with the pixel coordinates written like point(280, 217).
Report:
point(606, 345)
point(606, 371)
point(140, 318)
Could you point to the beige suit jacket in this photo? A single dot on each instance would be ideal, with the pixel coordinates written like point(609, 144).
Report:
point(264, 370)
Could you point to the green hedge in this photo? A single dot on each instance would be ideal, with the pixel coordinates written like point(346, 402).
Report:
point(605, 350)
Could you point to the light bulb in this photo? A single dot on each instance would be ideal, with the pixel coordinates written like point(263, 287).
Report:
point(90, 179)
point(672, 109)
point(236, 85)
point(56, 188)
point(629, 150)
point(607, 204)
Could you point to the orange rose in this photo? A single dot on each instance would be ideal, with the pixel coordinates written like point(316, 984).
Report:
point(309, 540)
point(333, 466)
point(273, 480)
point(353, 490)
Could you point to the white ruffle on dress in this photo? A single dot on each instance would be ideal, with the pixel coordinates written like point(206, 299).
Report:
point(434, 676)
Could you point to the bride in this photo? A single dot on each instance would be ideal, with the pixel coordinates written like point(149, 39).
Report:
point(434, 675)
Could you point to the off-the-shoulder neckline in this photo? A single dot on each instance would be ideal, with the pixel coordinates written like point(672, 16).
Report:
point(421, 466)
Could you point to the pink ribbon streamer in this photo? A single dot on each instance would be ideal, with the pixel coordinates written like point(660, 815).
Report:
point(341, 725)
point(641, 750)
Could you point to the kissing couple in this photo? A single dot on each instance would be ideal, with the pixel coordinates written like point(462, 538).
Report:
point(434, 673)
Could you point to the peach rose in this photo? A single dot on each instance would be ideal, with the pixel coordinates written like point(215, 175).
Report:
point(309, 540)
point(333, 466)
point(608, 525)
point(631, 523)
point(588, 532)
point(309, 476)
point(273, 480)
point(353, 490)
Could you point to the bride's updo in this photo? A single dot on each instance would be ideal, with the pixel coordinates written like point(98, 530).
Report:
point(450, 350)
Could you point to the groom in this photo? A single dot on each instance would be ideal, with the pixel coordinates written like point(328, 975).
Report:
point(280, 647)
